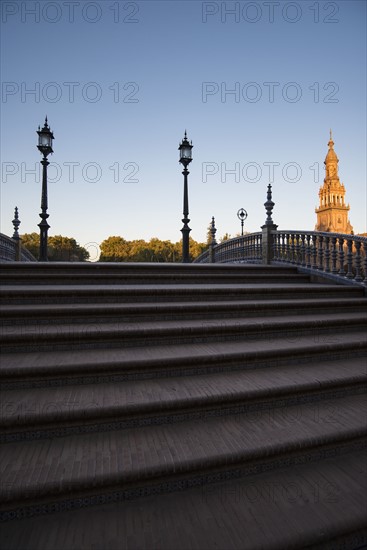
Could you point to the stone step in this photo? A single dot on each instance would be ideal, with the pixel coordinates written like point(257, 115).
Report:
point(130, 273)
point(322, 505)
point(161, 458)
point(13, 271)
point(154, 278)
point(54, 412)
point(57, 368)
point(120, 380)
point(107, 294)
point(38, 337)
point(91, 313)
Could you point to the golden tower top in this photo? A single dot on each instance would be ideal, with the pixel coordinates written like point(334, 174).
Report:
point(331, 157)
point(332, 213)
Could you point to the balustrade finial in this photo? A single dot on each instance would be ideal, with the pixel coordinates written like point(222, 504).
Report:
point(16, 223)
point(213, 231)
point(269, 205)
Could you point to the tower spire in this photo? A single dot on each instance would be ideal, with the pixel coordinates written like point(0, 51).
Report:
point(332, 213)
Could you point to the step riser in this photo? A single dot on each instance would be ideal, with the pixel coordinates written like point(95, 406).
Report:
point(14, 271)
point(100, 491)
point(149, 370)
point(55, 316)
point(96, 338)
point(110, 295)
point(159, 279)
point(94, 419)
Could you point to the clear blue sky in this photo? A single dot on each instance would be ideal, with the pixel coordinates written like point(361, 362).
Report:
point(121, 81)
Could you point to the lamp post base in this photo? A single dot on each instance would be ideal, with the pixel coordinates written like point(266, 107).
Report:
point(44, 227)
point(185, 242)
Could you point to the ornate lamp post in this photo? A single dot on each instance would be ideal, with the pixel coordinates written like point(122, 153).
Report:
point(45, 137)
point(185, 158)
point(242, 215)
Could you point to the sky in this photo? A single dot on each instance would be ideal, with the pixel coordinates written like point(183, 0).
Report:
point(257, 85)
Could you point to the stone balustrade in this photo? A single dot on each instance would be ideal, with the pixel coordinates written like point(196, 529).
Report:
point(245, 248)
point(333, 255)
point(11, 250)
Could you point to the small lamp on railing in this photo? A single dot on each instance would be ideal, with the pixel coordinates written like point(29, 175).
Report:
point(45, 137)
point(185, 149)
point(242, 216)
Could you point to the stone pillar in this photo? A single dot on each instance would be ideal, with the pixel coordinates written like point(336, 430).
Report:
point(213, 242)
point(267, 228)
point(268, 242)
point(18, 241)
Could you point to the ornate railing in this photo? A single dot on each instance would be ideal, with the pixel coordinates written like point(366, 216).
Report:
point(331, 254)
point(9, 251)
point(240, 249)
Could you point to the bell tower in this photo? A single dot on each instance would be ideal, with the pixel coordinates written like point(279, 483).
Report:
point(332, 213)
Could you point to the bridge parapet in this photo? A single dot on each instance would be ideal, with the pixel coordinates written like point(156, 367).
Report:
point(332, 255)
point(247, 248)
point(11, 250)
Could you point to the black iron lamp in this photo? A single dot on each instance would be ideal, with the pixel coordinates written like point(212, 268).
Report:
point(45, 138)
point(242, 215)
point(185, 149)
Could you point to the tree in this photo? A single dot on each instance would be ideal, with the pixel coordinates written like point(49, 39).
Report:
point(209, 235)
point(66, 249)
point(195, 248)
point(31, 241)
point(60, 249)
point(117, 249)
point(225, 237)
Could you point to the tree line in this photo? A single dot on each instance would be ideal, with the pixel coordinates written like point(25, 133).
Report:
point(118, 249)
point(60, 249)
point(113, 249)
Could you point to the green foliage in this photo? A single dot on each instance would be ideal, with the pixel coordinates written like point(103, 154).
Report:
point(31, 241)
point(60, 249)
point(196, 248)
point(66, 249)
point(118, 249)
point(115, 249)
point(225, 237)
point(209, 235)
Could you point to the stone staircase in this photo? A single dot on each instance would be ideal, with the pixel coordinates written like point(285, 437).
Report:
point(161, 406)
